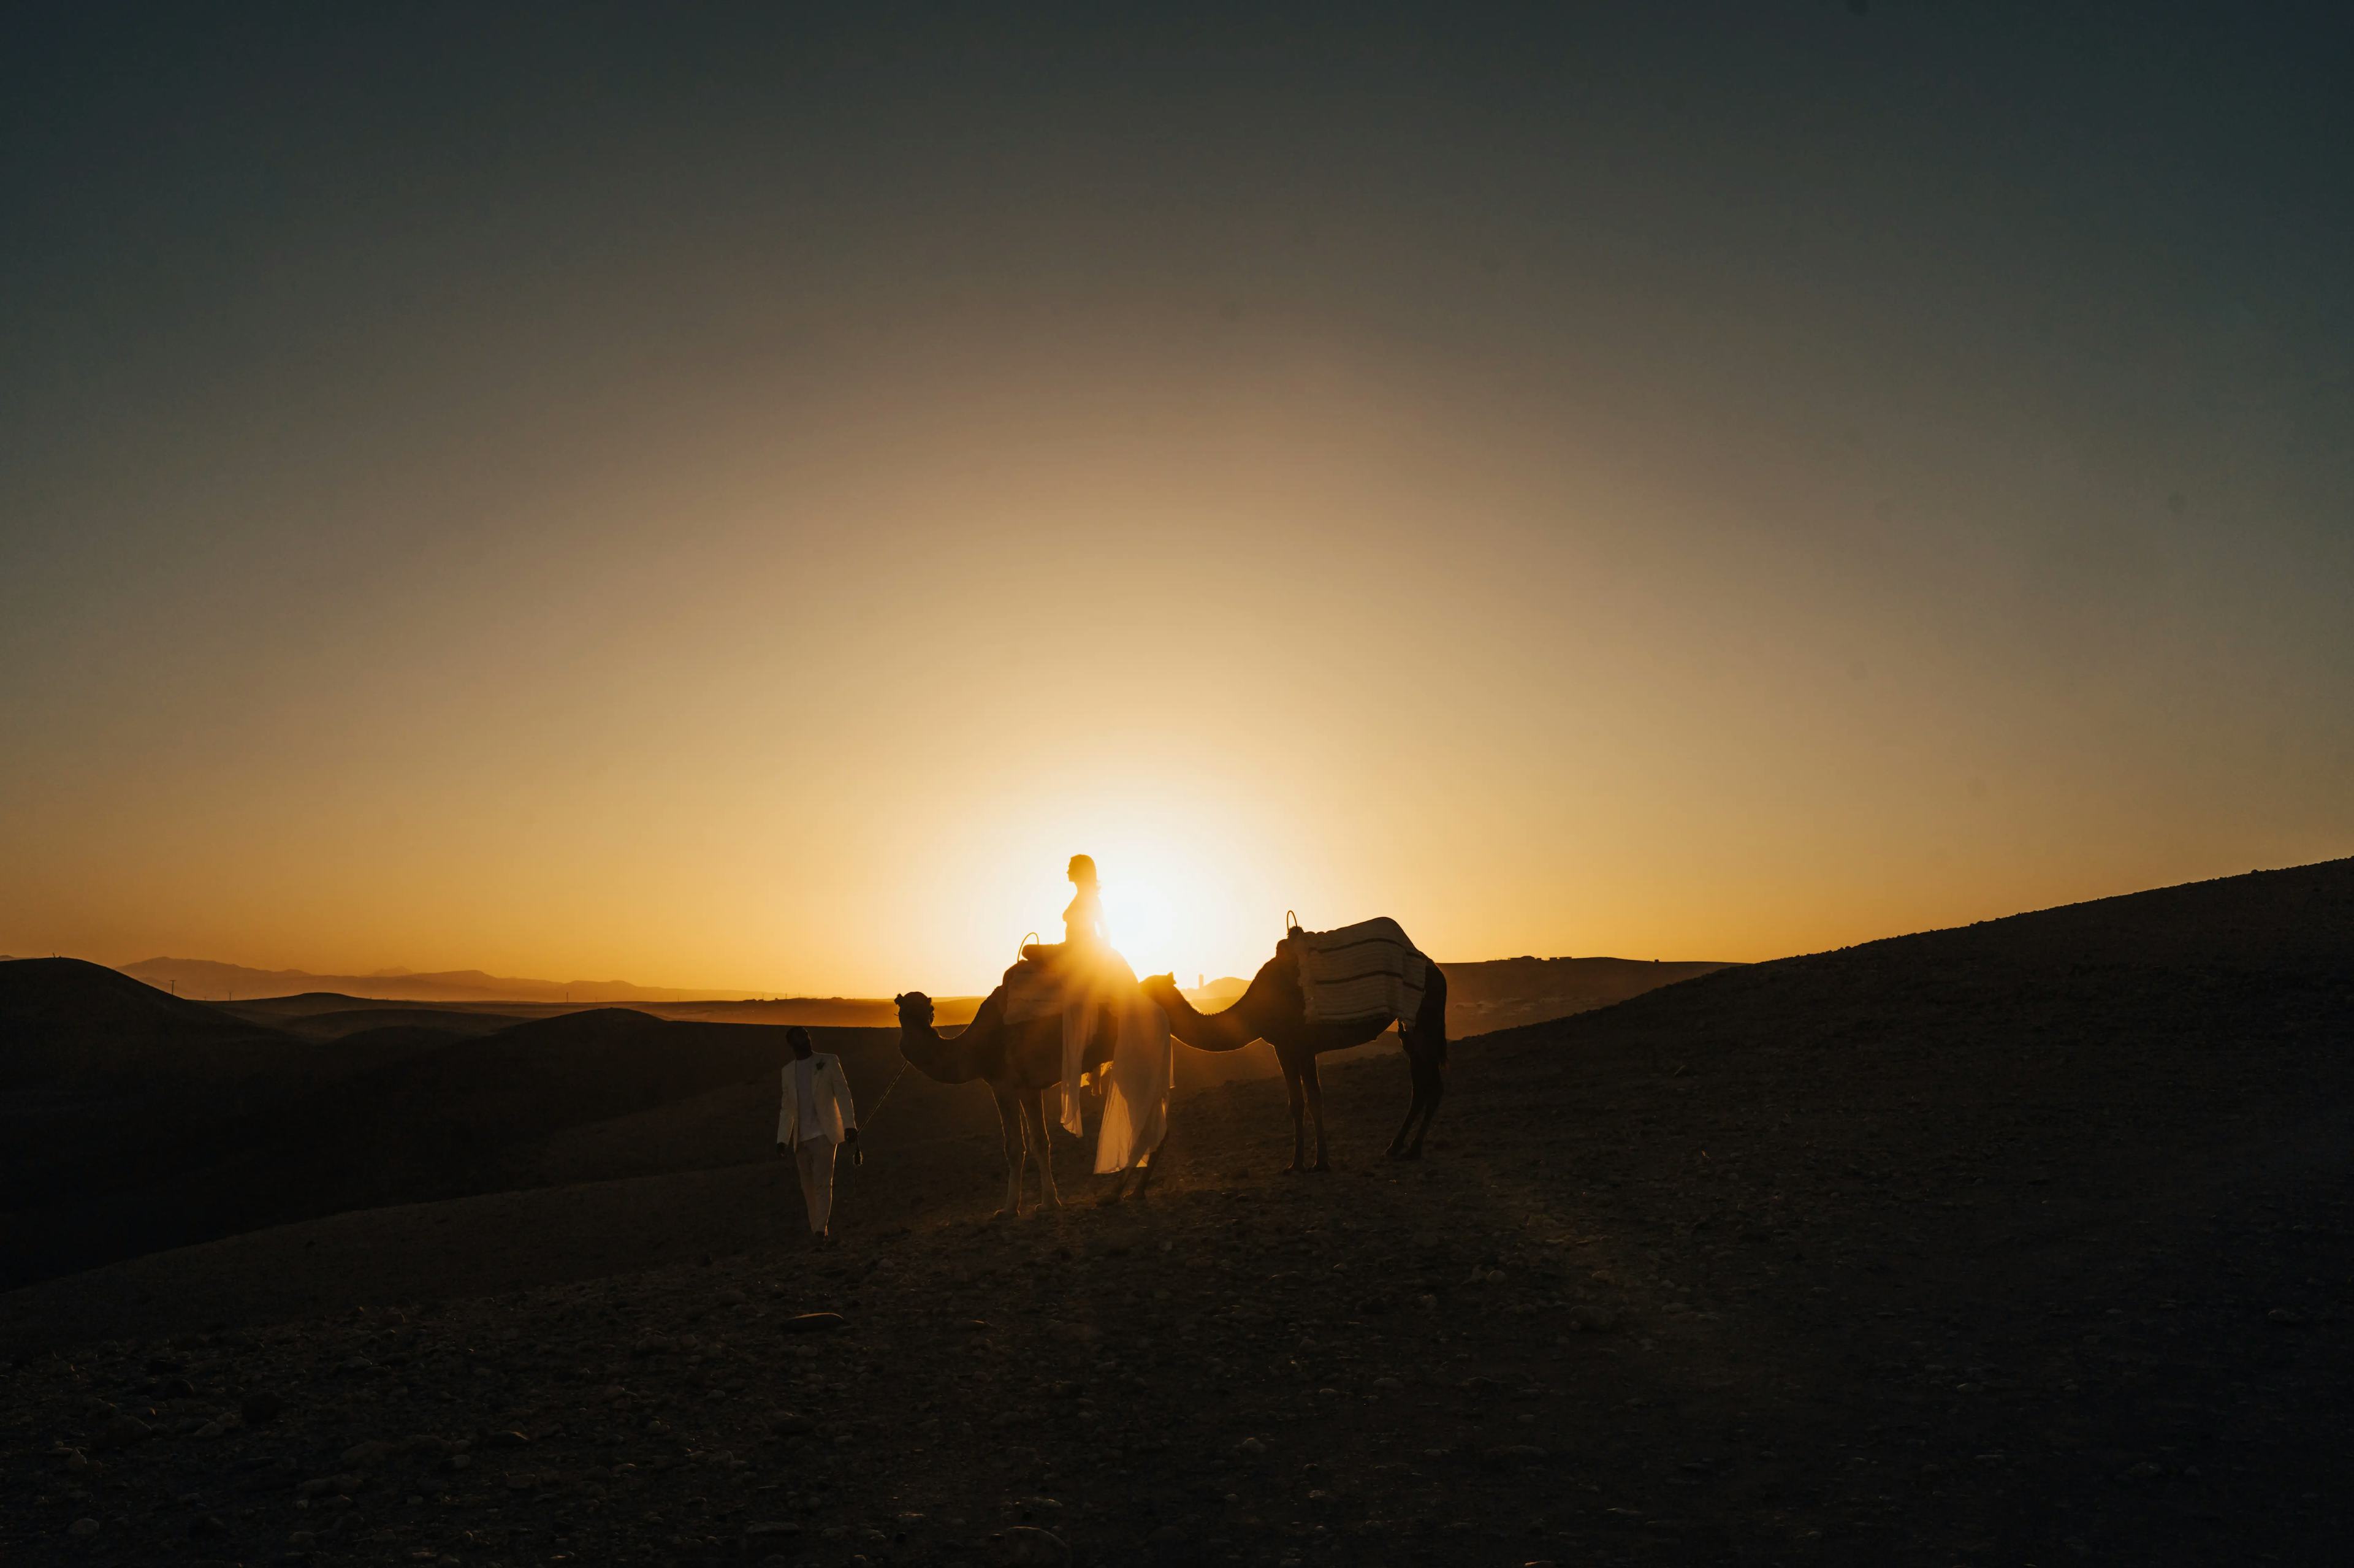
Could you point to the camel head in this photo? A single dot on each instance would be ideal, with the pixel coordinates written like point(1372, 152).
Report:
point(943, 1061)
point(1160, 990)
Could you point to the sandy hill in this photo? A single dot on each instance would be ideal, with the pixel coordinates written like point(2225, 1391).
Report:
point(1505, 993)
point(362, 1017)
point(69, 1025)
point(2026, 1242)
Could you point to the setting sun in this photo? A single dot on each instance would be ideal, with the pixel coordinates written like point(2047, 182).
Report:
point(1142, 925)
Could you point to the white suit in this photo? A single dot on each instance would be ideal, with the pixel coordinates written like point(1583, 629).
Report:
point(815, 1115)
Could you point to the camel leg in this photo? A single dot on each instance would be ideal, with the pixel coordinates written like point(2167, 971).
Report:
point(1426, 1053)
point(1413, 1109)
point(1299, 1116)
point(1149, 1164)
point(1315, 1110)
point(1049, 1198)
point(1011, 1137)
point(1429, 1083)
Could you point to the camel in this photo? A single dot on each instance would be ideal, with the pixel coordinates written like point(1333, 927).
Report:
point(1274, 1009)
point(1023, 1065)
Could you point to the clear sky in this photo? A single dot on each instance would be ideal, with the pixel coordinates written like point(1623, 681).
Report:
point(737, 496)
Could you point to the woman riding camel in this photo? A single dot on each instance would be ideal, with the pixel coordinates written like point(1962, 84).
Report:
point(1092, 983)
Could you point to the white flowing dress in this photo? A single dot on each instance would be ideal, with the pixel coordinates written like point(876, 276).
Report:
point(1136, 1083)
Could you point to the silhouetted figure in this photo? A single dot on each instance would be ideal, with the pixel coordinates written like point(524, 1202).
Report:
point(816, 1115)
point(1083, 932)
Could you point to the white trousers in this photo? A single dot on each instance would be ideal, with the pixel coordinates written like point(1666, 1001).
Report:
point(815, 1157)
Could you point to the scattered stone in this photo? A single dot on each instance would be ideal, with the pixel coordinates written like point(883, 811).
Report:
point(811, 1322)
point(1026, 1546)
point(82, 1527)
point(261, 1407)
point(123, 1431)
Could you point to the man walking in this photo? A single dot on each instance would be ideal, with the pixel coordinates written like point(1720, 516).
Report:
point(817, 1113)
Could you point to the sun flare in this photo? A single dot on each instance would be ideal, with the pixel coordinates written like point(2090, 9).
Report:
point(1143, 924)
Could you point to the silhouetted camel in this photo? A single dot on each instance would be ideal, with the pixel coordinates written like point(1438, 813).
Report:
point(1021, 1064)
point(1274, 1009)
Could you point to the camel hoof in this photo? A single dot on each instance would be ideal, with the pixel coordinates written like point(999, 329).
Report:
point(1414, 1153)
point(1320, 1169)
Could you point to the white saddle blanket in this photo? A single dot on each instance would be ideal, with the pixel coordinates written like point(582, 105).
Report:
point(1366, 970)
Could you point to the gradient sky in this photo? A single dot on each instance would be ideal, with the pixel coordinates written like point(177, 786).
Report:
point(735, 496)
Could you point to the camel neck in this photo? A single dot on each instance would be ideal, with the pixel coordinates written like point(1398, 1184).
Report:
point(1228, 1031)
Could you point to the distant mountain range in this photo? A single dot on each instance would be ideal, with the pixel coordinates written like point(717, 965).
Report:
point(207, 980)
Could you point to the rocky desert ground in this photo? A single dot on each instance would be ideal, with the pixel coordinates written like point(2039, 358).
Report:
point(2024, 1243)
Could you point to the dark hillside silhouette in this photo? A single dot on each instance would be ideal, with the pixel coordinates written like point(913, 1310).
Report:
point(414, 1114)
point(66, 1025)
point(109, 1085)
point(360, 1015)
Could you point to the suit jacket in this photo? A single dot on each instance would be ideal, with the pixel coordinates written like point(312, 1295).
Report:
point(834, 1111)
